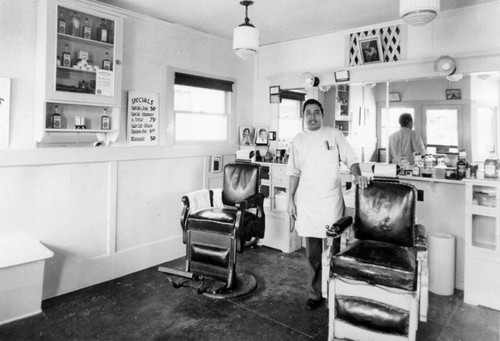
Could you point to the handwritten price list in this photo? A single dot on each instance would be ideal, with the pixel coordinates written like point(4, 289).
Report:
point(142, 119)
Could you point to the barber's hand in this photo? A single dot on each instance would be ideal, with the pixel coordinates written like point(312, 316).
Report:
point(292, 210)
point(361, 181)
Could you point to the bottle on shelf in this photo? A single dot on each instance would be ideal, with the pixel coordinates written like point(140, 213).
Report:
point(418, 165)
point(106, 63)
point(491, 166)
point(79, 122)
point(61, 23)
point(462, 165)
point(87, 29)
point(105, 120)
point(55, 118)
point(66, 57)
point(75, 25)
point(102, 31)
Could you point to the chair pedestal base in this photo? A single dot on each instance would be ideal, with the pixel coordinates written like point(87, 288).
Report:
point(243, 284)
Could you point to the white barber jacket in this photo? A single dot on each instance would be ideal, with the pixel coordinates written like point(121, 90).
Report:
point(314, 158)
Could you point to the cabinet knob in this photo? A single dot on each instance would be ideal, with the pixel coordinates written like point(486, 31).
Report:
point(118, 62)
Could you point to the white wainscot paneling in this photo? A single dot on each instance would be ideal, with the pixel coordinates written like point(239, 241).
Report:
point(149, 199)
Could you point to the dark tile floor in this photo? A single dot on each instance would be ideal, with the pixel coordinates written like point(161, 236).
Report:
point(145, 306)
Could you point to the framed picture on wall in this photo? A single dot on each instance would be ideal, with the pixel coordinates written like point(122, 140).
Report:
point(247, 136)
point(370, 49)
point(261, 136)
point(453, 94)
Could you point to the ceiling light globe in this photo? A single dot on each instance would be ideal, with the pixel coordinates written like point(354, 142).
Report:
point(245, 41)
point(418, 12)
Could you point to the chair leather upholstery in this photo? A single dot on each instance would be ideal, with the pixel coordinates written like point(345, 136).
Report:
point(385, 211)
point(378, 263)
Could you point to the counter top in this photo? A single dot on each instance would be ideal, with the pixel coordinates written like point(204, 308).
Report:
point(421, 178)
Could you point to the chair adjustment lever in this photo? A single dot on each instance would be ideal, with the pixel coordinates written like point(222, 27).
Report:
point(185, 274)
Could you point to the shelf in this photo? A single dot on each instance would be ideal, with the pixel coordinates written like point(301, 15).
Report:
point(84, 41)
point(72, 69)
point(78, 131)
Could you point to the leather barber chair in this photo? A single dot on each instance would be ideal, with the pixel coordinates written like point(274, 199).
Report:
point(378, 284)
point(217, 224)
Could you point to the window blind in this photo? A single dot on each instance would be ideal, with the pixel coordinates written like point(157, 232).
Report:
point(203, 82)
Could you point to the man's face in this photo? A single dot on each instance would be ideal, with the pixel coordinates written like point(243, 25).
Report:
point(313, 117)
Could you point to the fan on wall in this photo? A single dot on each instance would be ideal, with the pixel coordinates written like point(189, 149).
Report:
point(308, 80)
point(446, 66)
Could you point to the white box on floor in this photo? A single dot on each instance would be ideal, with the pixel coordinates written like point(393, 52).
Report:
point(22, 262)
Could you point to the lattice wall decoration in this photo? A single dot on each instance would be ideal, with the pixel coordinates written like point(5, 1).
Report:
point(391, 44)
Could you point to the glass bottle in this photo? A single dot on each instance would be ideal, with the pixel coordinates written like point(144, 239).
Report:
point(462, 165)
point(491, 166)
point(61, 23)
point(75, 25)
point(416, 167)
point(106, 63)
point(105, 120)
point(102, 31)
point(87, 29)
point(55, 118)
point(66, 57)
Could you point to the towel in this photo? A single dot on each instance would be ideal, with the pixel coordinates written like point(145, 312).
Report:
point(198, 200)
point(217, 197)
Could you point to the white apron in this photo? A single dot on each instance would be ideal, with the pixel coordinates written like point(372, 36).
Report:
point(319, 199)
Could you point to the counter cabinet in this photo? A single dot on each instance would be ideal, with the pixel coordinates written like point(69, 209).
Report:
point(280, 232)
point(482, 243)
point(78, 69)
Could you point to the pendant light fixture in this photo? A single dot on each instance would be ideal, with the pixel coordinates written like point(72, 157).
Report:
point(246, 36)
point(418, 12)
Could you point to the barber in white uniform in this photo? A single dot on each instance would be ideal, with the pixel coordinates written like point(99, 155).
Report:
point(315, 188)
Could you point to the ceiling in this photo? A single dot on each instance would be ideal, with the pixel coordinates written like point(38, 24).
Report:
point(277, 20)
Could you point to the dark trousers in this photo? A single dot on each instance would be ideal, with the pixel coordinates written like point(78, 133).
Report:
point(314, 249)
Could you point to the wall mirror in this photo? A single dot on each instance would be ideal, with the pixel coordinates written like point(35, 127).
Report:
point(466, 118)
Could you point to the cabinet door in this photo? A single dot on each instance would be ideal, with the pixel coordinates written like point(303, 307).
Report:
point(82, 55)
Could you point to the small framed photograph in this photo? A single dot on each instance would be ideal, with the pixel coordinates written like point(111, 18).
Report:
point(275, 89)
point(271, 136)
point(215, 164)
point(261, 136)
point(453, 94)
point(370, 49)
point(247, 136)
point(341, 76)
point(394, 97)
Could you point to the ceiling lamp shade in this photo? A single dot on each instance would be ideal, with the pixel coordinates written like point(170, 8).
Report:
point(418, 12)
point(246, 36)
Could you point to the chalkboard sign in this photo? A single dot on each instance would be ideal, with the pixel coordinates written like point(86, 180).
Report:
point(142, 123)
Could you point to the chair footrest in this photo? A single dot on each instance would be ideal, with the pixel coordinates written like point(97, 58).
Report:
point(202, 284)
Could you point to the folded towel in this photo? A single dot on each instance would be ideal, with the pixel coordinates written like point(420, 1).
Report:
point(199, 200)
point(217, 197)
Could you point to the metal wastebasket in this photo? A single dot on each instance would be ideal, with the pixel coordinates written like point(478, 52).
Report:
point(441, 263)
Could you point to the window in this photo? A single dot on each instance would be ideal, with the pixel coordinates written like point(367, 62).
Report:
point(202, 108)
point(484, 133)
point(290, 118)
point(389, 123)
point(441, 126)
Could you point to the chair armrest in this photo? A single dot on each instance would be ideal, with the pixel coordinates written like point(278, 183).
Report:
point(420, 238)
point(184, 215)
point(338, 227)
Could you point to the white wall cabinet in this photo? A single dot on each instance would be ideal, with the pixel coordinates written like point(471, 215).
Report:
point(280, 232)
point(482, 243)
point(79, 70)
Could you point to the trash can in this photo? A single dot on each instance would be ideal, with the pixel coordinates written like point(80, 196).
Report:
point(441, 248)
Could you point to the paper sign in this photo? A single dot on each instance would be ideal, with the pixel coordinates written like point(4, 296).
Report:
point(142, 123)
point(104, 83)
point(4, 111)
